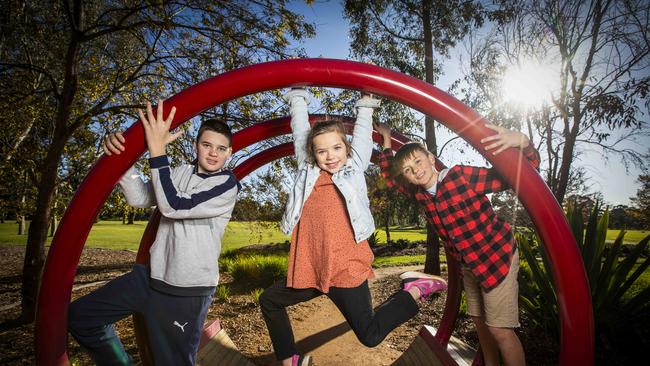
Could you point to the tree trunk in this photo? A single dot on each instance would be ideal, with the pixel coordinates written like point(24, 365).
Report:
point(429, 122)
point(21, 217)
point(18, 140)
point(131, 217)
point(54, 222)
point(21, 224)
point(387, 229)
point(35, 249)
point(432, 261)
point(567, 159)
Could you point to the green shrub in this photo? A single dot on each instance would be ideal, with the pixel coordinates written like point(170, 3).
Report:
point(258, 269)
point(225, 264)
point(401, 244)
point(621, 303)
point(462, 310)
point(536, 290)
point(255, 294)
point(222, 293)
point(373, 240)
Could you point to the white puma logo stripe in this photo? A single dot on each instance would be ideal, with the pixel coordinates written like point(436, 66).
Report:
point(180, 326)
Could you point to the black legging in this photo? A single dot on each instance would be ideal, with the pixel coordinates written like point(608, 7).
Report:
point(370, 326)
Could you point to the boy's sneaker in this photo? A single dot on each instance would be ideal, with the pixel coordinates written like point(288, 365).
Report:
point(299, 360)
point(426, 283)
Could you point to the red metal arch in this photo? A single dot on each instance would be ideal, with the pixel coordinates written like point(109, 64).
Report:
point(574, 301)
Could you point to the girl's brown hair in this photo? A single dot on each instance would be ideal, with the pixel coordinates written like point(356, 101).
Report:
point(325, 127)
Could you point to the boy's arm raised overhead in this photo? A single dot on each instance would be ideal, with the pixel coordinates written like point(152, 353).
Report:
point(484, 180)
point(386, 158)
point(298, 100)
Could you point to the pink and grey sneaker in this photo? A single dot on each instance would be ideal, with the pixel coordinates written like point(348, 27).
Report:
point(426, 283)
point(299, 360)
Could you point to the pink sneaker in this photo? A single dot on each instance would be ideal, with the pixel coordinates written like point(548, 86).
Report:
point(426, 283)
point(298, 360)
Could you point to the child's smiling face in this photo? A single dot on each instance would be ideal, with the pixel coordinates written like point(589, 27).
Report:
point(330, 151)
point(418, 169)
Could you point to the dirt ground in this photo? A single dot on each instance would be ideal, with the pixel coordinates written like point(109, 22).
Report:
point(319, 327)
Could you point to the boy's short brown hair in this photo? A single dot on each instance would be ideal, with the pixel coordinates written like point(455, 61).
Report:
point(215, 125)
point(405, 152)
point(325, 127)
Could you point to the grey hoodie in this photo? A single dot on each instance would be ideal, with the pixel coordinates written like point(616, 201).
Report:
point(195, 210)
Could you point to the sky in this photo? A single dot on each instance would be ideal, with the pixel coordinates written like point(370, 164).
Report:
point(332, 41)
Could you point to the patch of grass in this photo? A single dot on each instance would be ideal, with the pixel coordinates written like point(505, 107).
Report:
point(115, 235)
point(259, 269)
point(402, 260)
point(463, 304)
point(255, 295)
point(225, 264)
point(238, 234)
point(222, 293)
point(631, 236)
point(104, 234)
point(407, 233)
point(411, 233)
point(243, 233)
point(642, 283)
point(281, 249)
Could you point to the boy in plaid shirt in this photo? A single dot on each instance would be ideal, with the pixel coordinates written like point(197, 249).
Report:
point(455, 203)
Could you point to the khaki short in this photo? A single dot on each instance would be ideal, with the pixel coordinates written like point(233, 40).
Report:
point(499, 306)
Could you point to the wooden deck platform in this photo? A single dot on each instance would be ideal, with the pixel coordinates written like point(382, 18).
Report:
point(426, 351)
point(216, 348)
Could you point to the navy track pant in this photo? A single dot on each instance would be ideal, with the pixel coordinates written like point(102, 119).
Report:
point(174, 323)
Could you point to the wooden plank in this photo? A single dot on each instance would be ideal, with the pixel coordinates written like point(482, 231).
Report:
point(426, 350)
point(221, 350)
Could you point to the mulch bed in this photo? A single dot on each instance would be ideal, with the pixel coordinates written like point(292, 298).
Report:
point(239, 312)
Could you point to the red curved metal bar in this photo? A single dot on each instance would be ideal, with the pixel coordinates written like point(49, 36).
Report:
point(574, 301)
point(259, 160)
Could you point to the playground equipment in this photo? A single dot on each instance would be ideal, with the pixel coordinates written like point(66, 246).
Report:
point(574, 302)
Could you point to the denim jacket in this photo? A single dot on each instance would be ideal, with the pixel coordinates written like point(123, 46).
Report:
point(350, 180)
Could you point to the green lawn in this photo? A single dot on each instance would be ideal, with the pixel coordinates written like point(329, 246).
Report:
point(402, 260)
point(408, 233)
point(631, 236)
point(114, 235)
point(413, 234)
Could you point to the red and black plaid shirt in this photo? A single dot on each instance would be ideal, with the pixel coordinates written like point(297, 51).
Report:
point(463, 217)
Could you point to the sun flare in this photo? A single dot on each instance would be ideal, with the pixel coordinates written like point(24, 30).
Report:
point(529, 84)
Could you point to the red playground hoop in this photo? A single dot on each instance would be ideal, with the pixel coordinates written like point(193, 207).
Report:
point(574, 300)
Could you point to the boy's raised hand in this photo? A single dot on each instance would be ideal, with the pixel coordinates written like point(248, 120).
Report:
point(504, 139)
point(156, 129)
point(384, 130)
point(113, 143)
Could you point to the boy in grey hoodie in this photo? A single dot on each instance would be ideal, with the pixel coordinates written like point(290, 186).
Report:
point(174, 293)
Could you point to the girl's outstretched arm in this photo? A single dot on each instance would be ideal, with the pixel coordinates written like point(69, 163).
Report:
point(298, 100)
point(362, 135)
